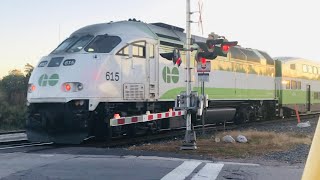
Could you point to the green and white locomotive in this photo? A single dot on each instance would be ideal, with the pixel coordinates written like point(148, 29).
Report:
point(110, 79)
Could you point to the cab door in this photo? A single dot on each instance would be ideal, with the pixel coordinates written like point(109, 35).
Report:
point(152, 64)
point(134, 71)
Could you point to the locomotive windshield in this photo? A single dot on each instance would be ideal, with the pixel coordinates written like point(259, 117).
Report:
point(65, 44)
point(103, 44)
point(81, 43)
point(99, 44)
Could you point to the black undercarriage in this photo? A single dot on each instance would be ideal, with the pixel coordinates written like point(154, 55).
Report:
point(72, 122)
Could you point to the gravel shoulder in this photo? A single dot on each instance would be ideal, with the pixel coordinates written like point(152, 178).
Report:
point(295, 156)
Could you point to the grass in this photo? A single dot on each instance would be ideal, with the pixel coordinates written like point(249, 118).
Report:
point(259, 143)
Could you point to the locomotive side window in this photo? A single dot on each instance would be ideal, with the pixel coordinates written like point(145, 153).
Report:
point(138, 50)
point(103, 44)
point(124, 51)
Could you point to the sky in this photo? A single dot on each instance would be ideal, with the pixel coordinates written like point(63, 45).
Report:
point(30, 29)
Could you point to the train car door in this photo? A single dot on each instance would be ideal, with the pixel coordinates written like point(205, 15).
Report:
point(152, 65)
point(134, 71)
point(308, 95)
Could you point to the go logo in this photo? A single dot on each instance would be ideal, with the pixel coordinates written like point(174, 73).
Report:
point(45, 79)
point(170, 75)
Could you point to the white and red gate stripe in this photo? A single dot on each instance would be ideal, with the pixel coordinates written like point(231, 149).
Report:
point(144, 118)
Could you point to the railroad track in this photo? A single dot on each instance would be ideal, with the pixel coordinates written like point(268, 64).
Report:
point(12, 132)
point(23, 145)
point(179, 132)
point(162, 135)
point(13, 137)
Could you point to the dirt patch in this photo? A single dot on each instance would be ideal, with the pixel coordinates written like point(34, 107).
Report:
point(259, 143)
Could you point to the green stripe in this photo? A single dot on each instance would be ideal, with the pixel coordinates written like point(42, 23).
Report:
point(224, 93)
point(297, 97)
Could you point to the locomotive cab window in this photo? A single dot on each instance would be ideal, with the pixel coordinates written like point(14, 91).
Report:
point(138, 50)
point(103, 44)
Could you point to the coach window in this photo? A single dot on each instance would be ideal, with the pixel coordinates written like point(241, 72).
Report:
point(305, 68)
point(293, 66)
point(298, 84)
point(310, 69)
point(315, 70)
point(288, 85)
point(293, 85)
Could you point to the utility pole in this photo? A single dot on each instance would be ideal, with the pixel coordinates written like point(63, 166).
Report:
point(190, 136)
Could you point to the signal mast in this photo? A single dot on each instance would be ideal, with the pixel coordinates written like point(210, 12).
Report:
point(189, 100)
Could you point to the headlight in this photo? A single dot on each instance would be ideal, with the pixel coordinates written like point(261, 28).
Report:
point(72, 86)
point(31, 88)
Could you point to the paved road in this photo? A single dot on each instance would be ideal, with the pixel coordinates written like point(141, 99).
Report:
point(51, 166)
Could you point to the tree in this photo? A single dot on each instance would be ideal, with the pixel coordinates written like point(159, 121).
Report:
point(15, 87)
point(28, 68)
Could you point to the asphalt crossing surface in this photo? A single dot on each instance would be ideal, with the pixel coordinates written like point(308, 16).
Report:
point(51, 166)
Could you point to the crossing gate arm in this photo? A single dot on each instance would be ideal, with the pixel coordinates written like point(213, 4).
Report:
point(145, 118)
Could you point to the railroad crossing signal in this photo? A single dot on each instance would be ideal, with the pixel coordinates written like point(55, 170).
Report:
point(213, 48)
point(174, 56)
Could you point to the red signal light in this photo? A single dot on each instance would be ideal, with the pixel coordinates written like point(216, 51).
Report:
point(67, 87)
point(225, 48)
point(179, 61)
point(203, 61)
